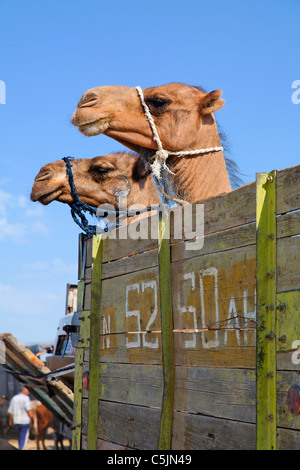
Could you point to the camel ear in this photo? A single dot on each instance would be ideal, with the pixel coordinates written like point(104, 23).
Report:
point(141, 169)
point(211, 102)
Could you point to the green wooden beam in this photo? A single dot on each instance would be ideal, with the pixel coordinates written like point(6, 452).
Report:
point(266, 310)
point(76, 428)
point(93, 395)
point(165, 435)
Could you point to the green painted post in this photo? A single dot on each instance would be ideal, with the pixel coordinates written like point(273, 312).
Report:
point(165, 436)
point(95, 316)
point(266, 310)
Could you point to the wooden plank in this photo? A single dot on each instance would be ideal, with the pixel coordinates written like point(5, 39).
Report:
point(130, 318)
point(223, 212)
point(217, 242)
point(288, 190)
point(104, 445)
point(166, 314)
point(94, 344)
point(218, 392)
point(130, 264)
point(133, 384)
point(211, 391)
point(289, 360)
point(288, 439)
point(214, 298)
point(229, 352)
point(288, 225)
point(266, 319)
point(125, 425)
point(285, 419)
point(288, 264)
point(288, 321)
point(197, 432)
point(235, 349)
point(126, 245)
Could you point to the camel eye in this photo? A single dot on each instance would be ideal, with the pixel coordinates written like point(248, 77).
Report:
point(156, 103)
point(98, 170)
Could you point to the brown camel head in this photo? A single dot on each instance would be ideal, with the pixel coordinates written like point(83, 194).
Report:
point(184, 120)
point(97, 180)
point(180, 112)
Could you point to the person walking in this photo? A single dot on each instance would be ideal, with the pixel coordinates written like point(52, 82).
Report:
point(20, 415)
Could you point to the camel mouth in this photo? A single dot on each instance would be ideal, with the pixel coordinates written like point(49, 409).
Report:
point(46, 198)
point(95, 127)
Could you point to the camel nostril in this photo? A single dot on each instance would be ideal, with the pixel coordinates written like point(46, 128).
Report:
point(44, 175)
point(88, 99)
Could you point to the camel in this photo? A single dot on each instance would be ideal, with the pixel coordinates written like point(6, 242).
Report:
point(42, 420)
point(182, 121)
point(98, 180)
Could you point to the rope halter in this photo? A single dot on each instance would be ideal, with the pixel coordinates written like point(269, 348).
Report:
point(161, 154)
point(78, 208)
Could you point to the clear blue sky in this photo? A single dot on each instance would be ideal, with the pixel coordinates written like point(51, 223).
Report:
point(51, 52)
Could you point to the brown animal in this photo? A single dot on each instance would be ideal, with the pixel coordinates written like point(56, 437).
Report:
point(43, 419)
point(98, 180)
point(184, 120)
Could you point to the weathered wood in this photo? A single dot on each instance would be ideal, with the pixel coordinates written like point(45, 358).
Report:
point(216, 310)
point(288, 225)
point(284, 381)
point(288, 439)
point(130, 264)
point(288, 264)
point(197, 432)
point(125, 424)
point(266, 319)
point(233, 390)
point(94, 343)
point(166, 316)
point(225, 211)
point(217, 242)
point(288, 190)
point(288, 320)
point(215, 391)
point(77, 417)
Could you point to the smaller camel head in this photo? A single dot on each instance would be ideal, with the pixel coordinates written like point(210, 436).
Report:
point(98, 180)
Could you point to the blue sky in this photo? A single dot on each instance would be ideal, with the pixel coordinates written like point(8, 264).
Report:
point(51, 52)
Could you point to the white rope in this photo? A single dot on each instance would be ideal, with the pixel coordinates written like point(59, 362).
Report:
point(161, 154)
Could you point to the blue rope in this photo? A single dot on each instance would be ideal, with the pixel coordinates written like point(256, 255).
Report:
point(78, 207)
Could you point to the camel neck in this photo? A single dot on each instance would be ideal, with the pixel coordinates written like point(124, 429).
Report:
point(199, 177)
point(144, 192)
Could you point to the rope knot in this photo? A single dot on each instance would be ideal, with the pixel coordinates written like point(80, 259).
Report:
point(162, 155)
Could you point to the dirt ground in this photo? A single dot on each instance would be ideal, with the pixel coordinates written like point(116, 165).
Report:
point(12, 440)
point(31, 444)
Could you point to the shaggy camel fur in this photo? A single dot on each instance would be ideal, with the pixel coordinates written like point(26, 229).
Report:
point(184, 120)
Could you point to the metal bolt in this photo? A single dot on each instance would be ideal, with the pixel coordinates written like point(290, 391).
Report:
point(271, 307)
point(271, 274)
point(271, 417)
point(270, 336)
point(270, 375)
point(271, 236)
point(281, 308)
point(282, 339)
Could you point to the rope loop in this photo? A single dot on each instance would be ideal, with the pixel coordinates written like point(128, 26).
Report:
point(78, 207)
point(161, 154)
